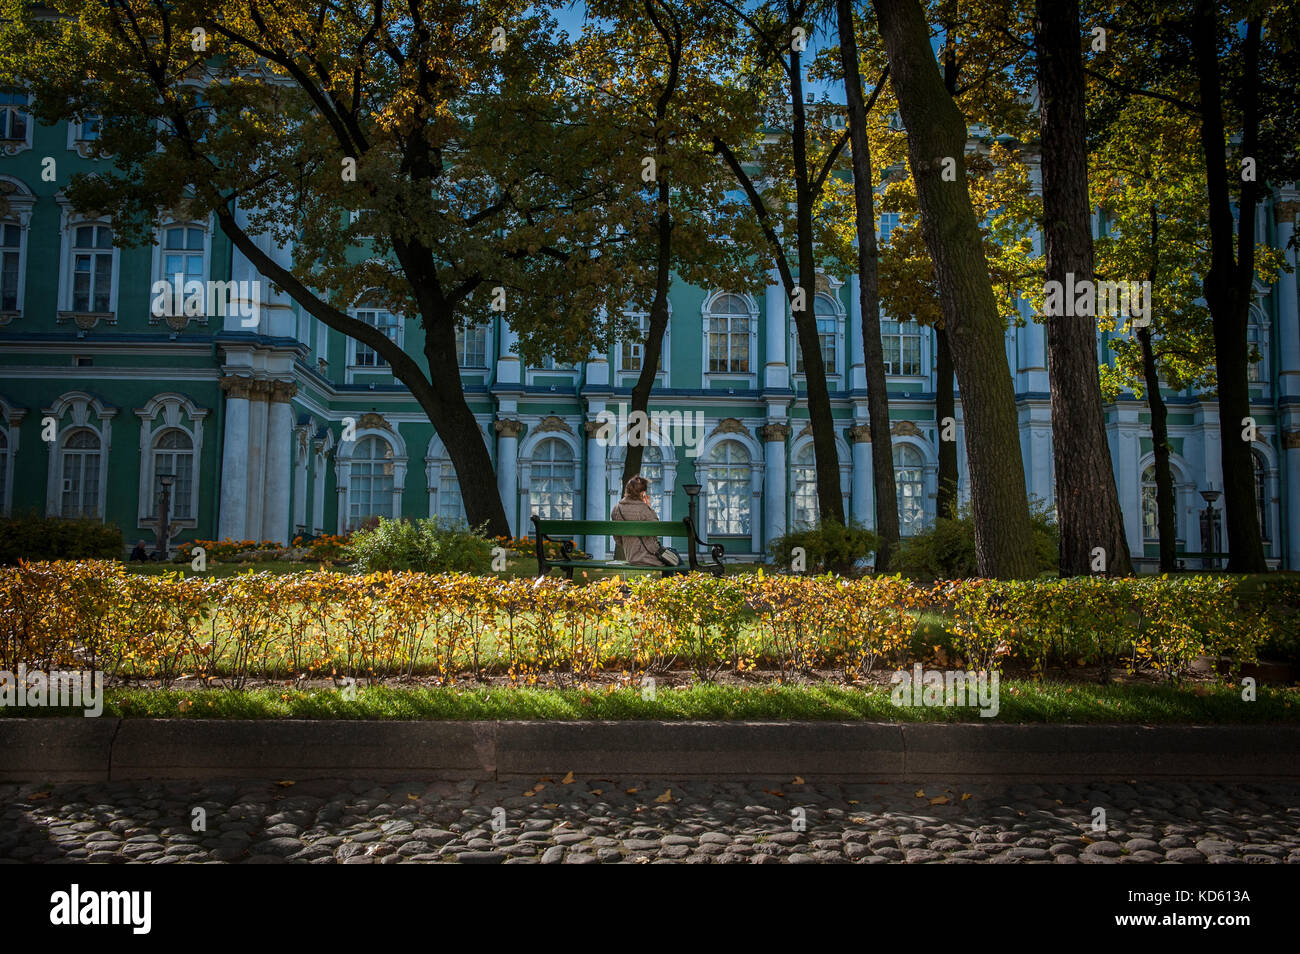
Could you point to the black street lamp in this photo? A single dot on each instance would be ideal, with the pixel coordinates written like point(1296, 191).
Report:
point(692, 503)
point(1209, 529)
point(164, 514)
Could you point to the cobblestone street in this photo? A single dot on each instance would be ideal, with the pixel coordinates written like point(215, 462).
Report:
point(585, 821)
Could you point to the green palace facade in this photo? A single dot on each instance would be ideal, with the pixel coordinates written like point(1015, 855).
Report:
point(99, 396)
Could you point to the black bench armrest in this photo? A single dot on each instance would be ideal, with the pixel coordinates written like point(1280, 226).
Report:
point(540, 540)
point(693, 542)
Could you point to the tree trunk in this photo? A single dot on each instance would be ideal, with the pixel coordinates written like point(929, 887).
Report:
point(1227, 284)
point(936, 142)
point(945, 408)
point(1087, 501)
point(440, 395)
point(454, 422)
point(882, 455)
point(830, 502)
point(1165, 499)
point(654, 342)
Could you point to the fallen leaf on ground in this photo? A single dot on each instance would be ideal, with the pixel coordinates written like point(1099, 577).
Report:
point(667, 796)
point(286, 783)
point(633, 791)
point(567, 780)
point(965, 795)
point(941, 800)
point(920, 793)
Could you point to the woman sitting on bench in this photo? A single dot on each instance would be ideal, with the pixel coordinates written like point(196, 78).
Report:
point(635, 505)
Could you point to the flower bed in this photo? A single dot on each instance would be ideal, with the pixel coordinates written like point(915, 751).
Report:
point(453, 626)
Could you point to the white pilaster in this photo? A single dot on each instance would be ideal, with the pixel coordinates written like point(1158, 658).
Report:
point(595, 491)
point(233, 518)
point(279, 446)
point(508, 432)
point(858, 374)
point(862, 505)
point(775, 505)
point(776, 372)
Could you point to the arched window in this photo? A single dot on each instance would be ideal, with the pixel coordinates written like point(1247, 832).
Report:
point(451, 505)
point(79, 468)
point(1261, 494)
point(370, 481)
point(551, 487)
point(727, 496)
point(909, 476)
point(827, 331)
point(1150, 511)
point(173, 453)
point(727, 327)
point(803, 478)
point(902, 344)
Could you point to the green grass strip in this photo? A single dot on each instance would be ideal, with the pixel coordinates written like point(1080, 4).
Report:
point(1020, 702)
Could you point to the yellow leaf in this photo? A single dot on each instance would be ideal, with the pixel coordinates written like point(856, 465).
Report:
point(667, 796)
point(414, 798)
point(965, 795)
point(920, 793)
point(551, 805)
point(941, 800)
point(285, 784)
point(633, 791)
point(567, 780)
point(598, 791)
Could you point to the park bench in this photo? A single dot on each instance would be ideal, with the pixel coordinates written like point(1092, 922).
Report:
point(563, 531)
point(1214, 559)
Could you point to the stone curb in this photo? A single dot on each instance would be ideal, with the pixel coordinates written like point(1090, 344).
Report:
point(78, 749)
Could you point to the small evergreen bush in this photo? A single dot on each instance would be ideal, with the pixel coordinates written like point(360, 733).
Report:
point(430, 545)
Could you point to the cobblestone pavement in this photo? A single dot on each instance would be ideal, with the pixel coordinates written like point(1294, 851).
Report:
point(583, 821)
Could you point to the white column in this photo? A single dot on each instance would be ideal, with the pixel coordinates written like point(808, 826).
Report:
point(776, 373)
point(858, 376)
point(508, 370)
point(1291, 448)
point(259, 393)
point(508, 432)
point(1126, 448)
point(1288, 311)
point(234, 460)
point(596, 490)
point(862, 506)
point(775, 501)
point(302, 454)
point(757, 509)
point(318, 488)
point(279, 446)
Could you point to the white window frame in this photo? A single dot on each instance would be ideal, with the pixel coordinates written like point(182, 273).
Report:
point(20, 202)
point(76, 411)
point(168, 412)
point(385, 368)
point(11, 419)
point(486, 331)
point(706, 314)
point(160, 255)
point(343, 460)
point(900, 335)
point(835, 372)
point(665, 352)
point(575, 459)
point(12, 147)
point(71, 222)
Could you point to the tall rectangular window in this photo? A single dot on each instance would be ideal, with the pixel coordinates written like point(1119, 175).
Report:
point(902, 346)
point(92, 268)
point(471, 347)
point(14, 118)
point(11, 257)
point(385, 321)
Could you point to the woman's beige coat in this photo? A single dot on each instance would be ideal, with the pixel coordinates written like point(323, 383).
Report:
point(638, 550)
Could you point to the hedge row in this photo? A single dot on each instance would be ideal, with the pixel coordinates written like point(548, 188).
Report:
point(454, 626)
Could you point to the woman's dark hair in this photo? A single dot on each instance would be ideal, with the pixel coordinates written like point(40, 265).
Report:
point(635, 487)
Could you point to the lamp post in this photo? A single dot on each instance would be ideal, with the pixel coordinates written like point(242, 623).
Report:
point(164, 513)
point(692, 508)
point(1209, 528)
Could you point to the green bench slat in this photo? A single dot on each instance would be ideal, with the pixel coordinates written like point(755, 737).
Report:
point(617, 528)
